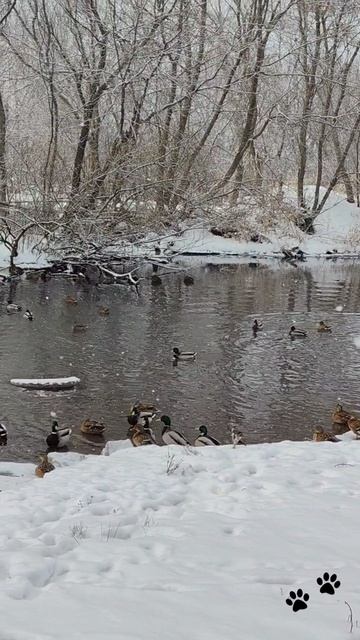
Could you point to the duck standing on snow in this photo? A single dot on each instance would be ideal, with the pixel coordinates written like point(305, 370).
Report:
point(354, 426)
point(3, 435)
point(138, 434)
point(183, 356)
point(237, 437)
point(340, 416)
point(58, 438)
point(323, 328)
point(169, 435)
point(297, 333)
point(28, 315)
point(11, 307)
point(45, 466)
point(322, 436)
point(204, 439)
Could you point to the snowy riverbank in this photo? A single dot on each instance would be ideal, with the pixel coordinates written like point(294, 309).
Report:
point(115, 547)
point(337, 229)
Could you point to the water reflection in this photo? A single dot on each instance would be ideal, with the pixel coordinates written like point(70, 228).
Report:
point(271, 387)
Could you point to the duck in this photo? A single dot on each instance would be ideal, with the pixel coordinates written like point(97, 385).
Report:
point(169, 435)
point(137, 434)
point(323, 328)
point(28, 315)
point(70, 300)
point(297, 333)
point(204, 439)
point(3, 435)
point(340, 416)
point(104, 311)
point(257, 326)
point(354, 425)
point(183, 355)
point(92, 427)
point(58, 438)
point(142, 410)
point(237, 437)
point(188, 280)
point(79, 328)
point(11, 307)
point(322, 436)
point(45, 466)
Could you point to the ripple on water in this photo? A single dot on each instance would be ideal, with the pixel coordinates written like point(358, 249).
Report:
point(272, 387)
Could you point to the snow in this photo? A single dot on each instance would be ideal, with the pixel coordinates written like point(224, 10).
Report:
point(336, 228)
point(114, 547)
point(46, 383)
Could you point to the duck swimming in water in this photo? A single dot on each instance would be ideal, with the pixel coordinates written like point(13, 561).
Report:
point(323, 328)
point(297, 333)
point(28, 315)
point(204, 439)
point(3, 435)
point(257, 326)
point(183, 355)
point(169, 435)
point(11, 307)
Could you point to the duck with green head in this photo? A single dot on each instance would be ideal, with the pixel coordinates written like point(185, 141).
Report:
point(171, 436)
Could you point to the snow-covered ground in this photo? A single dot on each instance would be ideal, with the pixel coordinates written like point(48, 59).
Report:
point(336, 228)
point(160, 543)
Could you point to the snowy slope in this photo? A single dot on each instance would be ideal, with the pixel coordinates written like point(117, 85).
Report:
point(337, 227)
point(114, 547)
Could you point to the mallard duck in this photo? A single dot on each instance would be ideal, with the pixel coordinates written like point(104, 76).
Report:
point(183, 355)
point(28, 315)
point(92, 426)
point(322, 436)
point(169, 435)
point(79, 328)
point(188, 281)
point(323, 328)
point(142, 410)
point(3, 435)
point(70, 300)
point(12, 308)
point(104, 311)
point(297, 333)
point(58, 437)
point(354, 425)
point(204, 439)
point(257, 326)
point(237, 437)
point(138, 434)
point(340, 416)
point(45, 466)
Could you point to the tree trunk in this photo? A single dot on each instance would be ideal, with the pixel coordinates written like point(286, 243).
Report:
point(3, 177)
point(343, 174)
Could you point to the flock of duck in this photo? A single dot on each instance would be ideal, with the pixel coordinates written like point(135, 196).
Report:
point(142, 415)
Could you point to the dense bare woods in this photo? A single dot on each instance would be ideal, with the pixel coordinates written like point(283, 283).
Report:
point(113, 107)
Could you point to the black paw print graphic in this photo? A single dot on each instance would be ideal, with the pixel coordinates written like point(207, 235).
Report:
point(328, 584)
point(297, 600)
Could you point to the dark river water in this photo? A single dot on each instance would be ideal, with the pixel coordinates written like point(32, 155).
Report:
point(271, 387)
